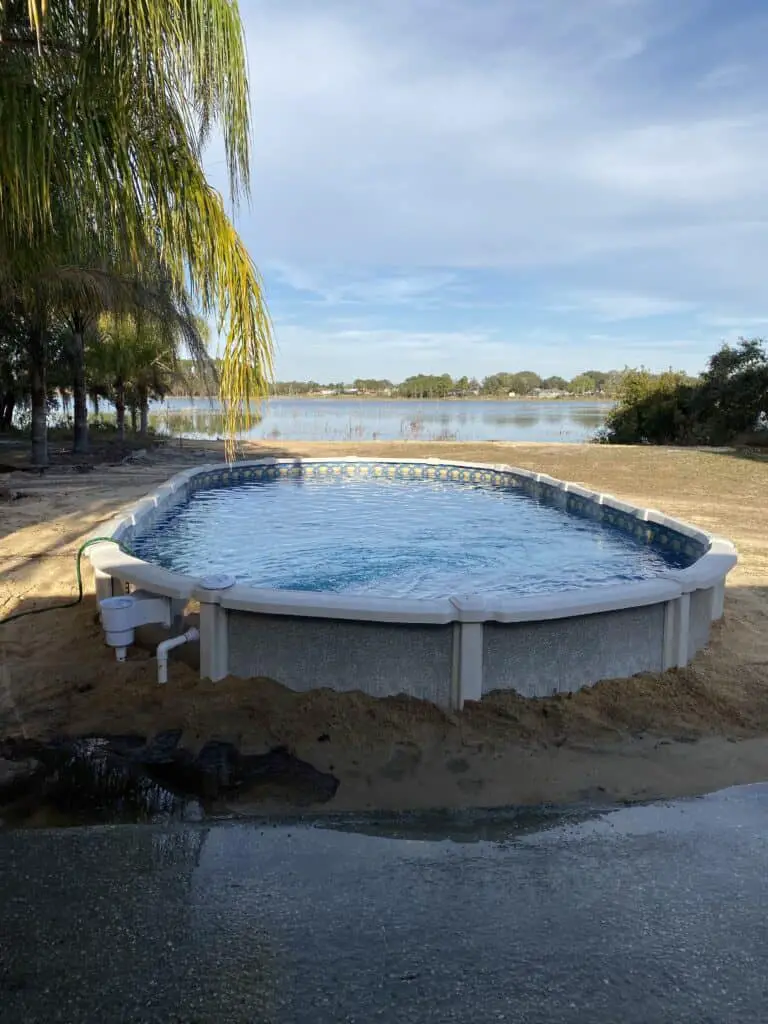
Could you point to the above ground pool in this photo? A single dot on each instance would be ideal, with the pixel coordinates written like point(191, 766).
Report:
point(417, 537)
point(441, 580)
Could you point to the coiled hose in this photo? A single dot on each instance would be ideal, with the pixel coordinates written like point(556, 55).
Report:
point(78, 573)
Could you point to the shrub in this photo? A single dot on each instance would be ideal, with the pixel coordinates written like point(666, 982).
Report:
point(715, 409)
point(654, 409)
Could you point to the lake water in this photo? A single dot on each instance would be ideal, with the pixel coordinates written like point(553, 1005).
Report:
point(345, 419)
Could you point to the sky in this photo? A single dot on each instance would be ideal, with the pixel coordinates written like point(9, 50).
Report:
point(474, 186)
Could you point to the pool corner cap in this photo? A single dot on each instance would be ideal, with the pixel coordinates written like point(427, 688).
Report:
point(217, 581)
point(470, 608)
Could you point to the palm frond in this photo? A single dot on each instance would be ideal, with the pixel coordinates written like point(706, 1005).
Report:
point(101, 128)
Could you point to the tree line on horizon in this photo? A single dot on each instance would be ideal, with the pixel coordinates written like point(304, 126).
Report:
point(525, 383)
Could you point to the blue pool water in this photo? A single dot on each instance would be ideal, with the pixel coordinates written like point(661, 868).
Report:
point(416, 539)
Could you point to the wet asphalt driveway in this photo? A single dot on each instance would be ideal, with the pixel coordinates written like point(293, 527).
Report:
point(644, 914)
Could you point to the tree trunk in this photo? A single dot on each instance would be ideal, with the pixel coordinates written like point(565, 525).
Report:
point(80, 443)
point(134, 419)
point(120, 408)
point(144, 408)
point(95, 403)
point(7, 406)
point(38, 360)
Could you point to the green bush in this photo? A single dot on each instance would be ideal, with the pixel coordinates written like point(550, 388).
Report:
point(654, 409)
point(671, 408)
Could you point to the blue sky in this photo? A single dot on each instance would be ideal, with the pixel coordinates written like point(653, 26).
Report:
point(469, 186)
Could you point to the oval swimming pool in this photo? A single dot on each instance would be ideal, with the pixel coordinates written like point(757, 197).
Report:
point(442, 580)
point(396, 538)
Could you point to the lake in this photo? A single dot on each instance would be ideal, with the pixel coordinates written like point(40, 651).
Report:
point(346, 419)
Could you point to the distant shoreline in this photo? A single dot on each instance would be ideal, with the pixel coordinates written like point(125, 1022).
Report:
point(592, 399)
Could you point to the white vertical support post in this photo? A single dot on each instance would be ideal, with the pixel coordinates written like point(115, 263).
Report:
point(684, 629)
point(669, 644)
point(214, 639)
point(454, 701)
point(468, 651)
point(718, 601)
point(214, 626)
point(677, 625)
point(470, 662)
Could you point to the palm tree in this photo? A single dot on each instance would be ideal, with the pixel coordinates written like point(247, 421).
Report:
point(138, 354)
point(159, 365)
point(33, 296)
point(156, 365)
point(12, 363)
point(119, 361)
point(54, 294)
point(130, 91)
point(156, 308)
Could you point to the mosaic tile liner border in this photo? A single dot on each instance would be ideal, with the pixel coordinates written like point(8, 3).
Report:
point(655, 534)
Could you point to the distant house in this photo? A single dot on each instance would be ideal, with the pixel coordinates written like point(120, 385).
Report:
point(548, 393)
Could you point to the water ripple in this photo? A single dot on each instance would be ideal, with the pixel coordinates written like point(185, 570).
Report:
point(388, 538)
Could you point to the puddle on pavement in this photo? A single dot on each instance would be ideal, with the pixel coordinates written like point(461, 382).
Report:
point(495, 825)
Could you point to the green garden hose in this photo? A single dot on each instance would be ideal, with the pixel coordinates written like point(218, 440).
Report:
point(70, 604)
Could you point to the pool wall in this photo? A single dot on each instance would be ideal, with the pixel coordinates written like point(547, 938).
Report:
point(448, 650)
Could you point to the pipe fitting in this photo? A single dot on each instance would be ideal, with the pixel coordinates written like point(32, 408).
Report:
point(168, 645)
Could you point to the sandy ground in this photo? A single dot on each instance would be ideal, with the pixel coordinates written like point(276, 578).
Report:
point(680, 733)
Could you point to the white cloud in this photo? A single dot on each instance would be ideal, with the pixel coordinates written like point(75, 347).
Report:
point(399, 147)
point(682, 165)
point(385, 290)
point(621, 305)
point(745, 321)
point(378, 148)
point(334, 352)
point(658, 348)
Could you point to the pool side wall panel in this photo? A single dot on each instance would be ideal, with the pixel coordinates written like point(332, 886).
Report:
point(381, 659)
point(539, 659)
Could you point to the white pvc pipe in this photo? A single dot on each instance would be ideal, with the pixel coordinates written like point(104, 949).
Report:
point(168, 645)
